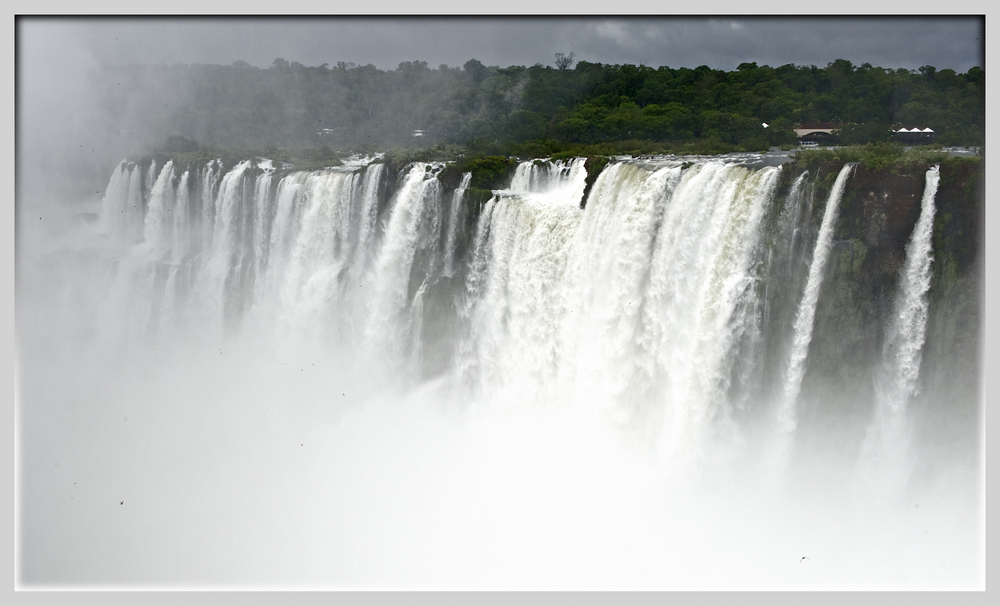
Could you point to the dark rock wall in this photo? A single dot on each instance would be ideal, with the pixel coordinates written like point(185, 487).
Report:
point(878, 213)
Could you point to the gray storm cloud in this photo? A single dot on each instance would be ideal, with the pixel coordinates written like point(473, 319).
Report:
point(945, 42)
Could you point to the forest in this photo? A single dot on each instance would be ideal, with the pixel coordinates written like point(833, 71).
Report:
point(531, 111)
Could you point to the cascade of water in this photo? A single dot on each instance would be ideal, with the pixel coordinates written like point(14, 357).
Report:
point(475, 283)
point(220, 281)
point(795, 204)
point(389, 280)
point(606, 350)
point(416, 325)
point(317, 256)
point(784, 276)
point(262, 214)
point(559, 182)
point(115, 204)
point(182, 221)
point(700, 273)
point(522, 179)
point(285, 226)
point(210, 184)
point(274, 285)
point(135, 208)
point(896, 382)
point(147, 184)
point(753, 356)
point(906, 336)
point(158, 223)
point(522, 301)
point(786, 414)
point(368, 214)
point(480, 253)
point(735, 326)
point(455, 216)
point(639, 304)
point(613, 360)
point(569, 304)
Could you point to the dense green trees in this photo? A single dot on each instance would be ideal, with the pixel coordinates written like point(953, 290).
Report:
point(361, 107)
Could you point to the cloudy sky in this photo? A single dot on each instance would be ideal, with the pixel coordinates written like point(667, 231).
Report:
point(719, 42)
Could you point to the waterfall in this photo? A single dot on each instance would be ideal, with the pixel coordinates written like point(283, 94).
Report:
point(906, 334)
point(431, 381)
point(807, 307)
point(644, 304)
point(181, 224)
point(210, 184)
point(261, 218)
point(519, 312)
point(639, 304)
point(614, 358)
point(455, 215)
point(115, 205)
point(220, 284)
point(161, 201)
point(319, 252)
point(417, 200)
point(369, 210)
point(897, 379)
point(561, 181)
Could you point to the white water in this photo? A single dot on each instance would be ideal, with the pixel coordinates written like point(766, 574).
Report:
point(559, 182)
point(807, 308)
point(455, 216)
point(888, 440)
point(259, 405)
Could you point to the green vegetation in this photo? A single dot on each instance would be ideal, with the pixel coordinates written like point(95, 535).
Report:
point(186, 153)
point(483, 118)
point(490, 172)
point(475, 199)
point(879, 156)
point(588, 110)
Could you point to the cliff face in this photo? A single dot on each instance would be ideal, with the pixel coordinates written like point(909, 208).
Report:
point(877, 217)
point(952, 364)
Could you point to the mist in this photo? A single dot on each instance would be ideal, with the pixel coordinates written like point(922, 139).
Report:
point(303, 446)
point(298, 380)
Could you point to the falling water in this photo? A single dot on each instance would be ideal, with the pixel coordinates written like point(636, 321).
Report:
point(161, 201)
point(807, 308)
point(359, 378)
point(369, 210)
point(414, 216)
point(455, 215)
point(897, 381)
point(561, 181)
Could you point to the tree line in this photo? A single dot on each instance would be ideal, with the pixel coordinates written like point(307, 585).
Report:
point(347, 106)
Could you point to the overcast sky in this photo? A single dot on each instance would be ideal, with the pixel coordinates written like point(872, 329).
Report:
point(719, 42)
